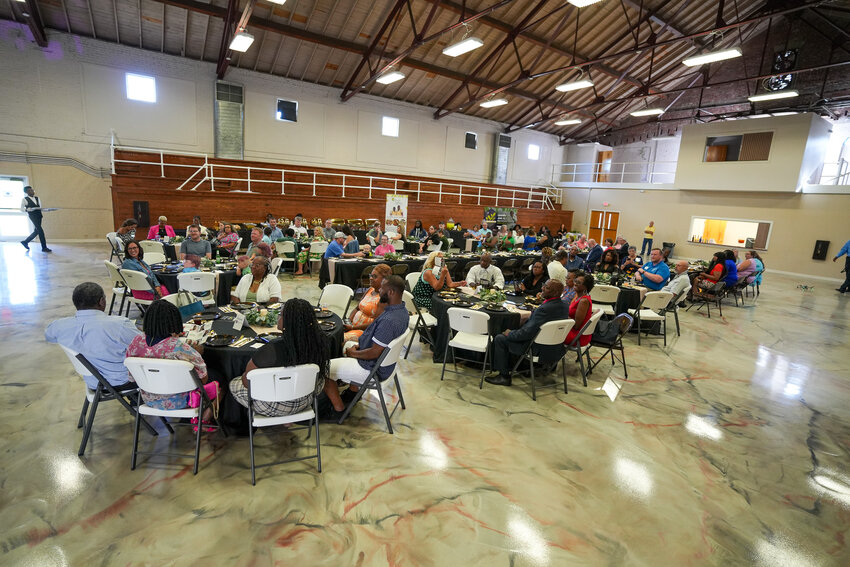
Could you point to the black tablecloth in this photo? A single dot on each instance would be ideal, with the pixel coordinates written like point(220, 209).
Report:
point(499, 322)
point(173, 250)
point(348, 272)
point(461, 260)
point(226, 280)
point(629, 298)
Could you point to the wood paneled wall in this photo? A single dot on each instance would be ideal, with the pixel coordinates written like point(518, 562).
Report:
point(143, 182)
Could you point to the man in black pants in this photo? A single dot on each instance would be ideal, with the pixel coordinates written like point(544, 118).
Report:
point(31, 205)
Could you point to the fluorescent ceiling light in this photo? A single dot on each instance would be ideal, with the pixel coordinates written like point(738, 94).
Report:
point(390, 78)
point(759, 116)
point(583, 3)
point(784, 113)
point(241, 41)
point(773, 96)
point(574, 86)
point(648, 112)
point(698, 60)
point(278, 2)
point(568, 122)
point(463, 46)
point(494, 102)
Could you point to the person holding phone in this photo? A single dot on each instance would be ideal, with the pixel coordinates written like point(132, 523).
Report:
point(434, 277)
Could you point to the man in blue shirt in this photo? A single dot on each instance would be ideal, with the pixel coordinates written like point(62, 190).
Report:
point(845, 251)
point(276, 232)
point(335, 249)
point(655, 274)
point(360, 359)
point(101, 338)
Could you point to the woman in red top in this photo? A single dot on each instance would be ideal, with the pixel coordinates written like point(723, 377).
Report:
point(581, 308)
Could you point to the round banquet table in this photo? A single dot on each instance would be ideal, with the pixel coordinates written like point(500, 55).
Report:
point(500, 321)
point(629, 298)
point(347, 272)
point(230, 362)
point(226, 280)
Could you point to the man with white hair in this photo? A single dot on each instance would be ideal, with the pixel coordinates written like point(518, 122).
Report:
point(680, 281)
point(594, 254)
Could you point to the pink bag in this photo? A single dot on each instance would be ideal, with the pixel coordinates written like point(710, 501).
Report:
point(212, 393)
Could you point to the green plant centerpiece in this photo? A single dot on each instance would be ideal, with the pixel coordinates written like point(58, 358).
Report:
point(602, 278)
point(392, 256)
point(207, 262)
point(492, 295)
point(262, 317)
point(177, 240)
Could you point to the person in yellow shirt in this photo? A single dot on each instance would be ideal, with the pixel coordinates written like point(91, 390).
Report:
point(648, 234)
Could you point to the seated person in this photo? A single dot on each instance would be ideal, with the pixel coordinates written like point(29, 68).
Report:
point(630, 263)
point(434, 277)
point(194, 244)
point(655, 273)
point(680, 280)
point(417, 233)
point(374, 234)
point(532, 284)
point(101, 338)
point(754, 274)
point(134, 260)
point(227, 240)
point(574, 261)
point(162, 326)
point(581, 307)
point(594, 255)
point(609, 263)
point(191, 263)
point(608, 245)
point(486, 274)
point(621, 246)
point(714, 273)
point(385, 247)
point(127, 231)
point(582, 243)
point(530, 240)
point(474, 232)
point(569, 287)
point(267, 235)
point(370, 305)
point(511, 344)
point(274, 230)
point(205, 232)
point(260, 286)
point(360, 358)
point(731, 277)
point(556, 268)
point(289, 236)
point(243, 265)
point(336, 249)
point(303, 342)
point(305, 255)
point(393, 231)
point(256, 239)
point(298, 227)
point(351, 244)
point(329, 230)
point(161, 229)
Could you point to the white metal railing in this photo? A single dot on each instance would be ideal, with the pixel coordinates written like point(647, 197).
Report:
point(835, 173)
point(217, 173)
point(615, 172)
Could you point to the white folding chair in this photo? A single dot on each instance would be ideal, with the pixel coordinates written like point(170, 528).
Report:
point(283, 384)
point(412, 278)
point(118, 286)
point(390, 356)
point(337, 298)
point(154, 257)
point(316, 248)
point(553, 333)
point(434, 247)
point(137, 281)
point(582, 351)
point(152, 246)
point(104, 392)
point(673, 307)
point(472, 332)
point(651, 309)
point(198, 282)
point(398, 245)
point(605, 298)
point(419, 322)
point(237, 247)
point(116, 245)
point(167, 377)
point(284, 248)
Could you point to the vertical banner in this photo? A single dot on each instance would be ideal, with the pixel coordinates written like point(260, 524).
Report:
point(396, 211)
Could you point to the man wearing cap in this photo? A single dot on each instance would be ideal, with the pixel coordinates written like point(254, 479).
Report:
point(335, 249)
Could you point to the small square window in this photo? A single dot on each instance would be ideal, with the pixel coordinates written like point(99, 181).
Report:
point(471, 141)
point(533, 152)
point(140, 87)
point(389, 126)
point(287, 110)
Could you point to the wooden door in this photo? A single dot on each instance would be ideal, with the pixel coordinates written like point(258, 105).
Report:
point(716, 153)
point(612, 220)
point(603, 165)
point(603, 224)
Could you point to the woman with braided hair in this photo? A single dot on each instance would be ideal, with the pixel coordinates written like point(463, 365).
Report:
point(303, 342)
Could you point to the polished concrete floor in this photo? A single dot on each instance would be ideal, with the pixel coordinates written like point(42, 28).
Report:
point(728, 447)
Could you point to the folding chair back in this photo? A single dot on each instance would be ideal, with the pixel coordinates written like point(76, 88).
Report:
point(590, 327)
point(656, 300)
point(412, 278)
point(136, 281)
point(162, 377)
point(318, 247)
point(392, 353)
point(554, 332)
point(284, 248)
point(152, 246)
point(118, 286)
point(275, 265)
point(434, 247)
point(336, 297)
point(469, 321)
point(154, 257)
point(407, 297)
point(115, 244)
point(237, 247)
point(398, 245)
point(400, 269)
point(282, 384)
point(78, 366)
point(196, 281)
point(606, 294)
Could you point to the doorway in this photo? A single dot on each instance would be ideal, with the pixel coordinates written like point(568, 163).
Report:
point(603, 165)
point(603, 224)
point(14, 225)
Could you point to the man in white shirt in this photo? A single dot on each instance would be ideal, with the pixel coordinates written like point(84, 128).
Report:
point(486, 273)
point(299, 230)
point(680, 281)
point(196, 220)
point(31, 205)
point(557, 268)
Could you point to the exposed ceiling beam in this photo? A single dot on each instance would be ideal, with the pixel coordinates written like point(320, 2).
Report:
point(29, 13)
point(225, 53)
point(656, 19)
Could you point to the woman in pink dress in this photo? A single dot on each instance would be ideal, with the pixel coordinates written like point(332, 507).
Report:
point(161, 230)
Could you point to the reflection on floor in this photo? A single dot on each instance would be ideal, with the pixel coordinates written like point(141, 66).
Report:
point(728, 447)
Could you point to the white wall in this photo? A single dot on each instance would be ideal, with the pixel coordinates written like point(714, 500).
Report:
point(68, 100)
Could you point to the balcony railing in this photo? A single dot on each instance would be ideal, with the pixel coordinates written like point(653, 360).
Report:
point(835, 173)
point(615, 172)
point(203, 172)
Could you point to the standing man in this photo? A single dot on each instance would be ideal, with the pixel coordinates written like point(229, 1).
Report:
point(648, 235)
point(845, 251)
point(31, 205)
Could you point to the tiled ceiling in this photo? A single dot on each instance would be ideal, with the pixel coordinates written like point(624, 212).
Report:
point(634, 47)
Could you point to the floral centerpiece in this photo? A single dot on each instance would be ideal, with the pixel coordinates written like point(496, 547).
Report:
point(262, 317)
point(602, 278)
point(392, 256)
point(492, 295)
point(207, 262)
point(177, 240)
